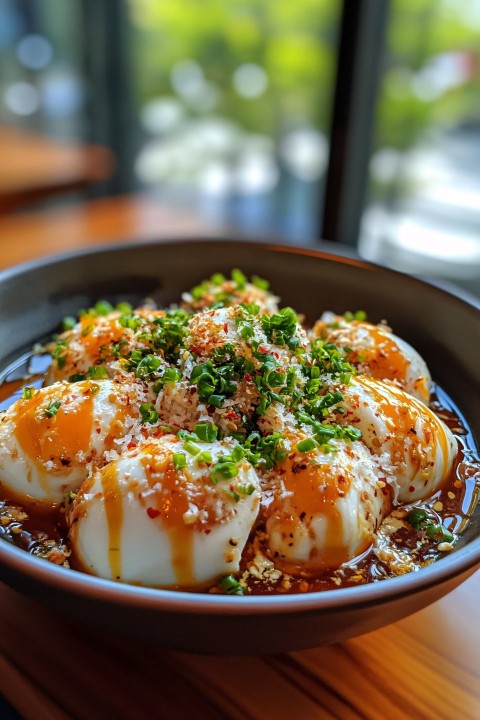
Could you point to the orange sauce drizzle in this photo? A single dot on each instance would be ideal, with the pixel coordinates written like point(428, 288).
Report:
point(97, 335)
point(385, 359)
point(114, 511)
point(58, 438)
point(314, 492)
point(402, 411)
point(171, 503)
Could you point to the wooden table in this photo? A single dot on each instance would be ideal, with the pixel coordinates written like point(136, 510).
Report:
point(424, 667)
point(121, 219)
point(34, 167)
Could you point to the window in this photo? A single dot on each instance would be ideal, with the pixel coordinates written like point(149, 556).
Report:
point(234, 100)
point(423, 214)
point(41, 85)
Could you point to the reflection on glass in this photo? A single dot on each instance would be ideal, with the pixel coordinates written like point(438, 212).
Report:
point(41, 85)
point(234, 103)
point(424, 210)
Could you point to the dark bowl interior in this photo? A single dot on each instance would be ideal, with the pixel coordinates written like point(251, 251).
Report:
point(443, 328)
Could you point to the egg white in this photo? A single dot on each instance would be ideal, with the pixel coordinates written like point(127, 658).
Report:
point(404, 432)
point(127, 522)
point(42, 457)
point(324, 508)
point(88, 345)
point(377, 353)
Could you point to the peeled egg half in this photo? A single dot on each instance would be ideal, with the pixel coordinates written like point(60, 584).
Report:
point(324, 507)
point(376, 352)
point(48, 440)
point(151, 519)
point(91, 343)
point(417, 444)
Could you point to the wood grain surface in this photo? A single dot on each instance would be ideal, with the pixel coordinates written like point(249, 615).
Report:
point(34, 167)
point(121, 219)
point(424, 667)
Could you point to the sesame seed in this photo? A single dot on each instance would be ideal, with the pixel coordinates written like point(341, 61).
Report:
point(444, 546)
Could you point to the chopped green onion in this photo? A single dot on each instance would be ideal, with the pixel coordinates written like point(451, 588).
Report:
point(53, 408)
point(359, 315)
point(129, 321)
point(102, 307)
point(239, 278)
point(185, 436)
point(204, 457)
point(191, 448)
point(148, 365)
point(69, 322)
point(123, 307)
point(206, 432)
point(416, 517)
point(77, 377)
point(148, 413)
point(246, 489)
point(28, 392)
point(438, 533)
point(179, 460)
point(60, 354)
point(217, 279)
point(237, 454)
point(171, 375)
point(260, 283)
point(231, 586)
point(224, 471)
point(306, 445)
point(246, 331)
point(96, 373)
point(216, 400)
point(420, 520)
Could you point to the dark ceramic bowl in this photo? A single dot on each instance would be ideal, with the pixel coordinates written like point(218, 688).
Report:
point(446, 331)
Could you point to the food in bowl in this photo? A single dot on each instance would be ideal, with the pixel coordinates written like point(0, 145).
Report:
point(221, 446)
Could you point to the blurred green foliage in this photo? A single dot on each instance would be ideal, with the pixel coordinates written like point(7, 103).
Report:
point(296, 44)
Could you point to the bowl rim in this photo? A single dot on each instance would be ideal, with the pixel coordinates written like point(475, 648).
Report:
point(327, 250)
point(45, 574)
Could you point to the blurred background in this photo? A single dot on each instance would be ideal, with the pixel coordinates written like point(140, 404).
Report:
point(354, 121)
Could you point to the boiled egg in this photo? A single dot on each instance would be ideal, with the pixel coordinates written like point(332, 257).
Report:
point(222, 291)
point(98, 342)
point(243, 329)
point(375, 351)
point(49, 438)
point(323, 507)
point(418, 445)
point(165, 517)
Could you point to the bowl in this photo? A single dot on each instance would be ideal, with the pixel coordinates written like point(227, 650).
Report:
point(444, 328)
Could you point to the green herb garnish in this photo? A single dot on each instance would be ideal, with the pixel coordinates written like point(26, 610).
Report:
point(28, 392)
point(52, 408)
point(68, 323)
point(231, 586)
point(179, 460)
point(420, 520)
point(148, 413)
point(306, 445)
point(206, 432)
